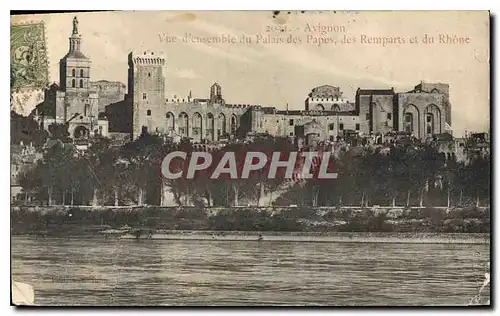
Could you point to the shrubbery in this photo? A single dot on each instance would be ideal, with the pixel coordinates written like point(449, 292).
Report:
point(80, 220)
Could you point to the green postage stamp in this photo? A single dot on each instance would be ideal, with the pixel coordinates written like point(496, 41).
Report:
point(28, 56)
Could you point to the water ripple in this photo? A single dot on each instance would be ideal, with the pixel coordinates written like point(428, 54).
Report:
point(204, 273)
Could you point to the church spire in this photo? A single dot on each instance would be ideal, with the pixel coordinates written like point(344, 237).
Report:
point(75, 39)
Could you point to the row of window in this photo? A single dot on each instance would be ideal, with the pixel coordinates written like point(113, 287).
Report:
point(389, 117)
point(184, 131)
point(73, 83)
point(341, 127)
point(409, 123)
point(291, 122)
point(145, 97)
point(429, 117)
point(183, 115)
point(331, 126)
point(73, 73)
point(325, 99)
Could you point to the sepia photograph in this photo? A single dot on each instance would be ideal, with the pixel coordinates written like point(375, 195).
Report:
point(250, 158)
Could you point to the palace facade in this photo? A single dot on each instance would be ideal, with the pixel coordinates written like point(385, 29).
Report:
point(96, 108)
point(327, 114)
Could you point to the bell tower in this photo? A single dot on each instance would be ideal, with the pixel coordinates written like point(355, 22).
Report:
point(75, 39)
point(216, 94)
point(74, 68)
point(76, 101)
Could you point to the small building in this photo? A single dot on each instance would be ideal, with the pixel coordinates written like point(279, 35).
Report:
point(23, 158)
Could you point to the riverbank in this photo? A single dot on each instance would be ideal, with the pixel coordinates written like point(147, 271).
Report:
point(86, 220)
point(313, 237)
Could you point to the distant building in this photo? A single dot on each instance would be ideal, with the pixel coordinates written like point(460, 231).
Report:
point(477, 145)
point(23, 158)
point(75, 100)
point(426, 110)
point(466, 149)
point(327, 115)
point(145, 107)
point(108, 92)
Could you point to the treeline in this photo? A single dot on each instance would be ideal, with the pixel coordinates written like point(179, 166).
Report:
point(411, 175)
point(415, 174)
point(131, 175)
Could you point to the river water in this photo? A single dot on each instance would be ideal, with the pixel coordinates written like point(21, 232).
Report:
point(99, 272)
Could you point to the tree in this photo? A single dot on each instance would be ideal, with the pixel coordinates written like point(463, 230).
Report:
point(32, 182)
point(478, 179)
point(54, 169)
point(139, 154)
point(26, 130)
point(59, 132)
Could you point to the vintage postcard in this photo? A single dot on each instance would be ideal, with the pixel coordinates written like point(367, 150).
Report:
point(242, 158)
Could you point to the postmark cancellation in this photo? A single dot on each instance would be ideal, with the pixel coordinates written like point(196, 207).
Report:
point(29, 62)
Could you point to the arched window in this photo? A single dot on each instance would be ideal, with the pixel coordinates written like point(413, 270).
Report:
point(233, 124)
point(221, 126)
point(210, 132)
point(170, 121)
point(81, 83)
point(183, 124)
point(409, 122)
point(73, 83)
point(81, 72)
point(197, 127)
point(73, 73)
point(148, 113)
point(433, 119)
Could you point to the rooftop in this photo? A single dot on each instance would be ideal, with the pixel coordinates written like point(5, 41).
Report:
point(76, 54)
point(374, 91)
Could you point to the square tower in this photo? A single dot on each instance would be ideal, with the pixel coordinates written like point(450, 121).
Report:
point(74, 68)
point(76, 103)
point(146, 87)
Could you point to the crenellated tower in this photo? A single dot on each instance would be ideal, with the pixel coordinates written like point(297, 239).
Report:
point(146, 87)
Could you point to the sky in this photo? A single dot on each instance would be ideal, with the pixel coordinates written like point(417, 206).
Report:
point(274, 74)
